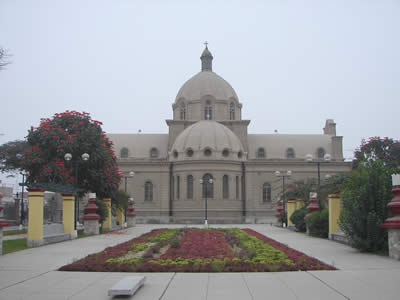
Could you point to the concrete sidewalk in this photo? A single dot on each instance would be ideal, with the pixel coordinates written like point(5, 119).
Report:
point(31, 274)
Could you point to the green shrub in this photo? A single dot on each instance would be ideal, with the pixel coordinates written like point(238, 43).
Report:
point(365, 196)
point(175, 243)
point(297, 219)
point(165, 236)
point(318, 223)
point(218, 265)
point(139, 247)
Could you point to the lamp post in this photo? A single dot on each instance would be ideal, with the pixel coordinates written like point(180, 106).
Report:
point(84, 157)
point(206, 182)
point(283, 176)
point(22, 201)
point(327, 158)
point(19, 156)
point(130, 175)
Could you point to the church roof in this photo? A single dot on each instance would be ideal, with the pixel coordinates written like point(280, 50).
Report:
point(275, 145)
point(206, 84)
point(206, 53)
point(210, 135)
point(140, 145)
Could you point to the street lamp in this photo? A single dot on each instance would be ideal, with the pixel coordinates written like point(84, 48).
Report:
point(130, 175)
point(283, 176)
point(68, 157)
point(210, 181)
point(327, 158)
point(19, 156)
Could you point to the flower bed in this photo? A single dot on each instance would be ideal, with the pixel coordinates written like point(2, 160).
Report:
point(198, 250)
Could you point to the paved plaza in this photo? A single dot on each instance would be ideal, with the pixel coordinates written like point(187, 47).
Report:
point(32, 273)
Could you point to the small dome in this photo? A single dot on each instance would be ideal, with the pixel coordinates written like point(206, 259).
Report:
point(207, 140)
point(204, 84)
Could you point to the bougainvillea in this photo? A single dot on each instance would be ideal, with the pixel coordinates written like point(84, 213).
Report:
point(198, 250)
point(75, 133)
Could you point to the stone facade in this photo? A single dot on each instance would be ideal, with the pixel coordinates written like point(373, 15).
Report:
point(208, 138)
point(394, 243)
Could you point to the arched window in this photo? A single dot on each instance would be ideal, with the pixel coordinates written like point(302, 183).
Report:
point(232, 111)
point(207, 152)
point(148, 191)
point(153, 153)
point(260, 153)
point(182, 111)
point(124, 152)
point(208, 188)
point(266, 196)
point(290, 153)
point(189, 187)
point(178, 187)
point(208, 111)
point(225, 187)
point(320, 153)
point(189, 152)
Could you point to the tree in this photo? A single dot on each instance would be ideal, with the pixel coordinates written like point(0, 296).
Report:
point(76, 133)
point(120, 199)
point(386, 149)
point(3, 58)
point(328, 186)
point(365, 196)
point(9, 161)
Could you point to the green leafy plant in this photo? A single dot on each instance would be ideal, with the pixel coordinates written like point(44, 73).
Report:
point(9, 155)
point(318, 223)
point(385, 149)
point(365, 196)
point(139, 247)
point(298, 220)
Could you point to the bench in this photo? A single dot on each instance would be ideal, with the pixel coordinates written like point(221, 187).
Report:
point(127, 286)
point(54, 233)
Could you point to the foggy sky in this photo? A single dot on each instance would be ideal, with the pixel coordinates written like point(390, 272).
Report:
point(293, 64)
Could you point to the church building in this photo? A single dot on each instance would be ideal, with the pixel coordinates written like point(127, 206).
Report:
point(208, 163)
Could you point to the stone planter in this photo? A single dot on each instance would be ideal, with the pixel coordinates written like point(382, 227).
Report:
point(131, 216)
point(91, 218)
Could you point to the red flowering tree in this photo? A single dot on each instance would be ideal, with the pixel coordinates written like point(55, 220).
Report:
point(75, 133)
point(385, 149)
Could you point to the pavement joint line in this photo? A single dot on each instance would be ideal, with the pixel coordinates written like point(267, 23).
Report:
point(166, 288)
point(245, 282)
point(86, 287)
point(208, 281)
point(328, 285)
point(288, 287)
point(38, 275)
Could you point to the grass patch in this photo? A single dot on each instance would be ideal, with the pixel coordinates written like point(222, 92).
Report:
point(10, 246)
point(14, 232)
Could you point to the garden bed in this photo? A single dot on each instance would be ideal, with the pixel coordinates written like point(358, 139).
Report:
point(198, 250)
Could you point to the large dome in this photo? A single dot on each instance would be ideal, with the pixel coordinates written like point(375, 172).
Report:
point(207, 140)
point(206, 83)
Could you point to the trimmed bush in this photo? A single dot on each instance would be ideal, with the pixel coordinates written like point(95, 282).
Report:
point(298, 219)
point(318, 223)
point(365, 196)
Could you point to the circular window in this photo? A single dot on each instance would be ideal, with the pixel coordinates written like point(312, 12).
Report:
point(207, 152)
point(240, 154)
point(175, 154)
point(225, 153)
point(189, 152)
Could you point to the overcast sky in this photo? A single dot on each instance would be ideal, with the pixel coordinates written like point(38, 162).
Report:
point(293, 64)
